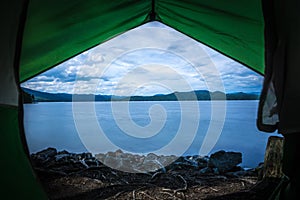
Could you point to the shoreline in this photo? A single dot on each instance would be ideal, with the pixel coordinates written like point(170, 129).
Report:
point(66, 175)
point(100, 154)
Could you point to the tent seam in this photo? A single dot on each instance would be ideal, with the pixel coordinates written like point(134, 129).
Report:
point(153, 13)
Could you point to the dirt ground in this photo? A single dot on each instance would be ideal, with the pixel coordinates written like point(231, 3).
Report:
point(106, 183)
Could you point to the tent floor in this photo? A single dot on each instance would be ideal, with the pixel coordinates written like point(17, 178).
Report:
point(180, 184)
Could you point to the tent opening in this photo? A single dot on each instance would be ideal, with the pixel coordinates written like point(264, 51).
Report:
point(139, 112)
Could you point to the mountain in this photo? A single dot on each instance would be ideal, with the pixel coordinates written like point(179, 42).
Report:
point(27, 98)
point(200, 95)
point(64, 97)
point(44, 96)
point(242, 96)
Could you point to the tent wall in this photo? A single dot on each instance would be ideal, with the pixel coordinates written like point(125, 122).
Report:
point(17, 178)
point(233, 27)
point(281, 93)
point(59, 29)
point(9, 29)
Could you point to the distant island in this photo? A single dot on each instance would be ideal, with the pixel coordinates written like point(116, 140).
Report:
point(200, 95)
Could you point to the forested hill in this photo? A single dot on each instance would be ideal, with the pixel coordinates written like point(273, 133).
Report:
point(200, 95)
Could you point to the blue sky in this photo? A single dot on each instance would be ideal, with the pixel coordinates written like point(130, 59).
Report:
point(150, 59)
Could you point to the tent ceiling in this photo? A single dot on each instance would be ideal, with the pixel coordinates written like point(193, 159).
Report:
point(57, 30)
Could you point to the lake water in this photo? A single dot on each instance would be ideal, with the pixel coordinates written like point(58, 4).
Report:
point(143, 127)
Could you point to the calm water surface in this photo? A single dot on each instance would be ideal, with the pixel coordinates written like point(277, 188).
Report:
point(53, 125)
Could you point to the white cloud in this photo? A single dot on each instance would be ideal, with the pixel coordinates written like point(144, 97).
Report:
point(147, 60)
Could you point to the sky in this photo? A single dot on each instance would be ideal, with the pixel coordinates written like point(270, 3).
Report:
point(148, 60)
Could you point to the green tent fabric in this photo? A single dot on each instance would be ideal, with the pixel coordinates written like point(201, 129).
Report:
point(57, 30)
point(37, 35)
point(234, 27)
point(18, 180)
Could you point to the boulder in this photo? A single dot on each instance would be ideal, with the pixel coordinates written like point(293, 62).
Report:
point(202, 161)
point(46, 153)
point(206, 170)
point(224, 161)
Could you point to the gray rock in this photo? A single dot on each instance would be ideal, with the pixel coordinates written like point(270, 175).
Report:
point(85, 156)
point(202, 161)
point(216, 171)
point(61, 157)
point(206, 170)
point(167, 160)
point(100, 157)
point(49, 152)
point(119, 152)
point(63, 152)
point(151, 166)
point(112, 161)
point(225, 161)
point(92, 163)
point(151, 156)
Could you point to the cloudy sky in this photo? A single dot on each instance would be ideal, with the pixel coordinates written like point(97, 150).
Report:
point(151, 59)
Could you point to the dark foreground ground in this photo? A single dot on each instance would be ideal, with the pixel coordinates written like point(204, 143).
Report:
point(65, 178)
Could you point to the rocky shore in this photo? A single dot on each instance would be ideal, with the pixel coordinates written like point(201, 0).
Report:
point(119, 175)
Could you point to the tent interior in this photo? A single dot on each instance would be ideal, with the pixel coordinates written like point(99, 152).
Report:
point(38, 35)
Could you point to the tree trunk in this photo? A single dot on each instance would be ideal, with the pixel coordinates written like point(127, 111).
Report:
point(273, 158)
